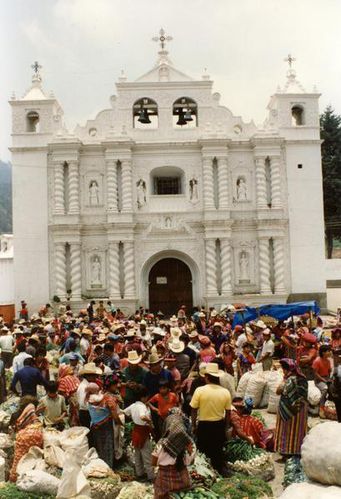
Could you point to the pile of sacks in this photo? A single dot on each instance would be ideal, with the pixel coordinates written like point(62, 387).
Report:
point(68, 451)
point(261, 386)
point(321, 461)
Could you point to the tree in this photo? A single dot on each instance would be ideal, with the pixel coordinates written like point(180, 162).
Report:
point(330, 124)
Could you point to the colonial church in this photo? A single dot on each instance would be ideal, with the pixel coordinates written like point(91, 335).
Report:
point(167, 198)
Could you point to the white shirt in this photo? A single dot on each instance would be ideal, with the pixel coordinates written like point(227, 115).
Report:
point(18, 361)
point(268, 347)
point(84, 345)
point(6, 343)
point(81, 393)
point(136, 410)
point(241, 340)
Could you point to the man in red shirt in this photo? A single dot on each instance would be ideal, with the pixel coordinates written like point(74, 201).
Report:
point(322, 371)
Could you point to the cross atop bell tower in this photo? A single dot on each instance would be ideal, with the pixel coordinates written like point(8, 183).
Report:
point(163, 53)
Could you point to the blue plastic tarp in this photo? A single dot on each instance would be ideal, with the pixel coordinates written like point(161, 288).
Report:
point(277, 311)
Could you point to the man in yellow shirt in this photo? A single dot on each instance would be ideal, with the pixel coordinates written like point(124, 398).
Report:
point(211, 406)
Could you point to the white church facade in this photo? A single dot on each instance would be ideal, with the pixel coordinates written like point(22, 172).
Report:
point(166, 198)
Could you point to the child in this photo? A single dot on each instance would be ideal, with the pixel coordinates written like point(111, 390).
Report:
point(139, 412)
point(53, 407)
point(245, 360)
point(164, 400)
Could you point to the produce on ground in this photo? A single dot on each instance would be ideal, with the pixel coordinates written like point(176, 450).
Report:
point(201, 471)
point(196, 493)
point(105, 488)
point(258, 415)
point(248, 459)
point(240, 486)
point(9, 491)
point(240, 450)
point(136, 490)
point(293, 472)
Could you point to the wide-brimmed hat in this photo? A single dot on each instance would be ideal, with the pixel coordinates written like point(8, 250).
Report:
point(117, 327)
point(130, 334)
point(133, 357)
point(175, 332)
point(267, 331)
point(202, 314)
point(177, 346)
point(218, 324)
point(193, 334)
point(101, 337)
point(76, 331)
point(90, 368)
point(154, 358)
point(202, 369)
point(260, 324)
point(4, 329)
point(159, 331)
point(213, 370)
point(87, 332)
point(173, 319)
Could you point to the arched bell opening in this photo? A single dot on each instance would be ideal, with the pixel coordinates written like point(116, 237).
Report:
point(145, 114)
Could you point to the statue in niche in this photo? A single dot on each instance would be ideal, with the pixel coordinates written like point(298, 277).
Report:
point(244, 272)
point(241, 189)
point(93, 193)
point(141, 193)
point(168, 223)
point(193, 190)
point(96, 272)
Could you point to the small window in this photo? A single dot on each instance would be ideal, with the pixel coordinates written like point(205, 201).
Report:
point(32, 122)
point(185, 113)
point(167, 185)
point(297, 115)
point(145, 113)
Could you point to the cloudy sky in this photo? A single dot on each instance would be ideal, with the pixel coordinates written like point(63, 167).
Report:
point(83, 45)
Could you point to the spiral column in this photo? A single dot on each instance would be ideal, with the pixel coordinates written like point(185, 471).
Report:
point(73, 188)
point(223, 188)
point(60, 269)
point(111, 185)
point(207, 164)
point(279, 265)
point(59, 197)
point(264, 266)
point(129, 270)
point(211, 267)
point(76, 270)
point(260, 183)
point(127, 188)
point(114, 271)
point(275, 169)
point(225, 259)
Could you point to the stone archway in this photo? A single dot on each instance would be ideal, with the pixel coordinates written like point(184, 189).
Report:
point(189, 267)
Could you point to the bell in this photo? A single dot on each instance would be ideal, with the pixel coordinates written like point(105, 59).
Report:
point(181, 121)
point(188, 115)
point(144, 117)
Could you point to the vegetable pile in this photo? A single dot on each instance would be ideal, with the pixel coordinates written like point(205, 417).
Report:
point(242, 487)
point(105, 488)
point(196, 493)
point(9, 491)
point(201, 472)
point(239, 450)
point(293, 472)
point(250, 460)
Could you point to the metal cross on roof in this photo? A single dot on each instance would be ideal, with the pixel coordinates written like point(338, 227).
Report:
point(289, 60)
point(162, 38)
point(36, 67)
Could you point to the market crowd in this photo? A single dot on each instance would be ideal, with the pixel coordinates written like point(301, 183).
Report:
point(174, 379)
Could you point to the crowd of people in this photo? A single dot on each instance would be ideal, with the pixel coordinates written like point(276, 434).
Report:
point(170, 377)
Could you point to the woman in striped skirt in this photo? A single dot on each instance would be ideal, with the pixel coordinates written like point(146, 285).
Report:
point(292, 416)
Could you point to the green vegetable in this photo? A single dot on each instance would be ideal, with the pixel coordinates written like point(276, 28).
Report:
point(241, 486)
point(258, 415)
point(239, 450)
point(10, 491)
point(293, 472)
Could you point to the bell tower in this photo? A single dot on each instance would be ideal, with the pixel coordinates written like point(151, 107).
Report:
point(36, 118)
point(294, 114)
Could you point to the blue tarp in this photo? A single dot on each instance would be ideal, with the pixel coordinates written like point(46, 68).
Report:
point(279, 312)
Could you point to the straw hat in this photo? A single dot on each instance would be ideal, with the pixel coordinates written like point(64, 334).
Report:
point(154, 358)
point(202, 314)
point(133, 357)
point(87, 332)
point(131, 333)
point(217, 324)
point(159, 331)
point(213, 370)
point(117, 327)
point(177, 346)
point(101, 337)
point(90, 368)
point(173, 319)
point(202, 369)
point(76, 331)
point(193, 334)
point(267, 332)
point(175, 332)
point(4, 329)
point(260, 324)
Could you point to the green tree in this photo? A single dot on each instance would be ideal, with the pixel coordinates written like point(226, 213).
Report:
point(330, 124)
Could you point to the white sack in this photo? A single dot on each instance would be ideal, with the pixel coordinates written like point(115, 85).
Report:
point(33, 460)
point(51, 436)
point(73, 482)
point(310, 491)
point(274, 379)
point(75, 438)
point(321, 453)
point(243, 384)
point(314, 394)
point(5, 441)
point(255, 388)
point(227, 381)
point(95, 467)
point(54, 456)
point(2, 469)
point(38, 482)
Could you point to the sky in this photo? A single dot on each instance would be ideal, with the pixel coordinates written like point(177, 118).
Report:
point(83, 45)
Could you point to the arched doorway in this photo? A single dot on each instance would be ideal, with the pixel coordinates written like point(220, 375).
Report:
point(170, 286)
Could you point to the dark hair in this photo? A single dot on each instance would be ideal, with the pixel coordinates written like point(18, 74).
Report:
point(21, 347)
point(109, 347)
point(213, 379)
point(28, 361)
point(323, 349)
point(141, 392)
point(40, 351)
point(164, 382)
point(52, 387)
point(97, 348)
point(220, 363)
point(248, 345)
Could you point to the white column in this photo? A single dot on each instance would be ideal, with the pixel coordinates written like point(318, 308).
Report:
point(129, 270)
point(223, 188)
point(225, 258)
point(260, 183)
point(279, 265)
point(76, 270)
point(127, 188)
point(211, 267)
point(111, 185)
point(59, 198)
point(208, 191)
point(73, 188)
point(114, 271)
point(60, 270)
point(276, 201)
point(264, 265)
